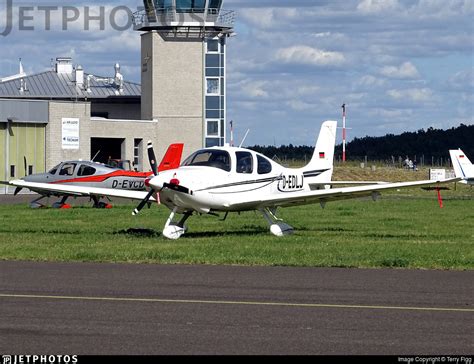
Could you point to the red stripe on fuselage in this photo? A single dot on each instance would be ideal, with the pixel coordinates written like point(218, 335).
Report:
point(103, 177)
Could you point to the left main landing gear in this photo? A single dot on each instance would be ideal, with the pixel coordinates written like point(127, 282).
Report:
point(100, 205)
point(174, 230)
point(277, 226)
point(62, 204)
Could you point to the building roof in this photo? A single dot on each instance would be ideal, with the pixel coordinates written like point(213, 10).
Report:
point(53, 85)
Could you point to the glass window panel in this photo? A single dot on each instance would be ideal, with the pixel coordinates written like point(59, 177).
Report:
point(213, 86)
point(213, 128)
point(67, 169)
point(222, 129)
point(54, 170)
point(183, 5)
point(212, 103)
point(212, 60)
point(215, 4)
point(212, 142)
point(213, 114)
point(85, 170)
point(210, 158)
point(163, 4)
point(213, 45)
point(264, 166)
point(212, 72)
point(244, 162)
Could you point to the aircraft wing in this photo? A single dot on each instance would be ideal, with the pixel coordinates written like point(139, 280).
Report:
point(48, 188)
point(343, 193)
point(348, 183)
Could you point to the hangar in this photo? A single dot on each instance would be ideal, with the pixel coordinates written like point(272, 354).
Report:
point(66, 113)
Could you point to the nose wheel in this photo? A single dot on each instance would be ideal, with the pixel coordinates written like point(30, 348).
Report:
point(174, 230)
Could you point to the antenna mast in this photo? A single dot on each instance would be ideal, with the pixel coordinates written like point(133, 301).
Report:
point(344, 135)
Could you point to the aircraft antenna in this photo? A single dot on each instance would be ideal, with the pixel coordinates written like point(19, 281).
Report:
point(231, 133)
point(96, 155)
point(245, 137)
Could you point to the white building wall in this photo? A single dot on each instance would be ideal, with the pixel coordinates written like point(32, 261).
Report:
point(55, 152)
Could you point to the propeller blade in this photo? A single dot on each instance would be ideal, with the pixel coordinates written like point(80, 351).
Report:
point(143, 203)
point(152, 159)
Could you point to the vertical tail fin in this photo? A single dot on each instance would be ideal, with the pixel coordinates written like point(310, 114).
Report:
point(323, 156)
point(172, 158)
point(462, 165)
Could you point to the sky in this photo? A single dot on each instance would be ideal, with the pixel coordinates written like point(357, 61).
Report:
point(398, 65)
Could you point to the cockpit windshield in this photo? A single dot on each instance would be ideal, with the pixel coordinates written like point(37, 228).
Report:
point(209, 158)
point(54, 170)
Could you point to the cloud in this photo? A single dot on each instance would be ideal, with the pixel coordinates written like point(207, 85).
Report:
point(269, 17)
point(413, 94)
point(409, 62)
point(305, 55)
point(377, 6)
point(369, 81)
point(405, 71)
point(299, 105)
point(255, 89)
point(462, 80)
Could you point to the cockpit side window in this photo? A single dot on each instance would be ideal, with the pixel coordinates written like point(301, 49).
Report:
point(264, 166)
point(244, 162)
point(67, 169)
point(86, 170)
point(209, 158)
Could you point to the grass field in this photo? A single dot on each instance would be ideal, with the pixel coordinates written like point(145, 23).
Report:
point(403, 230)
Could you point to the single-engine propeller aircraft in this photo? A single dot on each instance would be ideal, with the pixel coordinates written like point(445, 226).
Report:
point(228, 179)
point(90, 174)
point(463, 168)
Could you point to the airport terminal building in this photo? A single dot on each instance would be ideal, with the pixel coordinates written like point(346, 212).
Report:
point(66, 113)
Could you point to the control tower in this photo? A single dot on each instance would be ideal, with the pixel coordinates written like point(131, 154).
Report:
point(183, 61)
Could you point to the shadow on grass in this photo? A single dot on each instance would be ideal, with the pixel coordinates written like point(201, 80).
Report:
point(139, 233)
point(246, 230)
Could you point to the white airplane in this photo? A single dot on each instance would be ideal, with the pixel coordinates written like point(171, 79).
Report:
point(463, 168)
point(228, 179)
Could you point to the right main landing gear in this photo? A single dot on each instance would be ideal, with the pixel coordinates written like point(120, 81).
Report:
point(277, 226)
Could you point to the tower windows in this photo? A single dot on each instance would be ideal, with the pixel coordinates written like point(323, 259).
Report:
point(213, 86)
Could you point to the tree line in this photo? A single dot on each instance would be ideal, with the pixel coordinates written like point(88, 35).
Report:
point(430, 143)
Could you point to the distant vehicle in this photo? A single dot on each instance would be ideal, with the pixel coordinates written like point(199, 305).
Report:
point(463, 168)
point(86, 175)
point(228, 179)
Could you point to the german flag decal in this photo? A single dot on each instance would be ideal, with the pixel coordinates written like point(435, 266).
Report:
point(321, 155)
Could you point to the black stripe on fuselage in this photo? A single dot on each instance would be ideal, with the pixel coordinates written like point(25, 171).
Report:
point(314, 173)
point(243, 183)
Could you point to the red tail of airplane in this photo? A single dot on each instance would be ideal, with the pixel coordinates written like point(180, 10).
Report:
point(172, 158)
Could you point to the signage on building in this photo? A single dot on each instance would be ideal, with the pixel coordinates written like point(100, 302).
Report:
point(70, 133)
